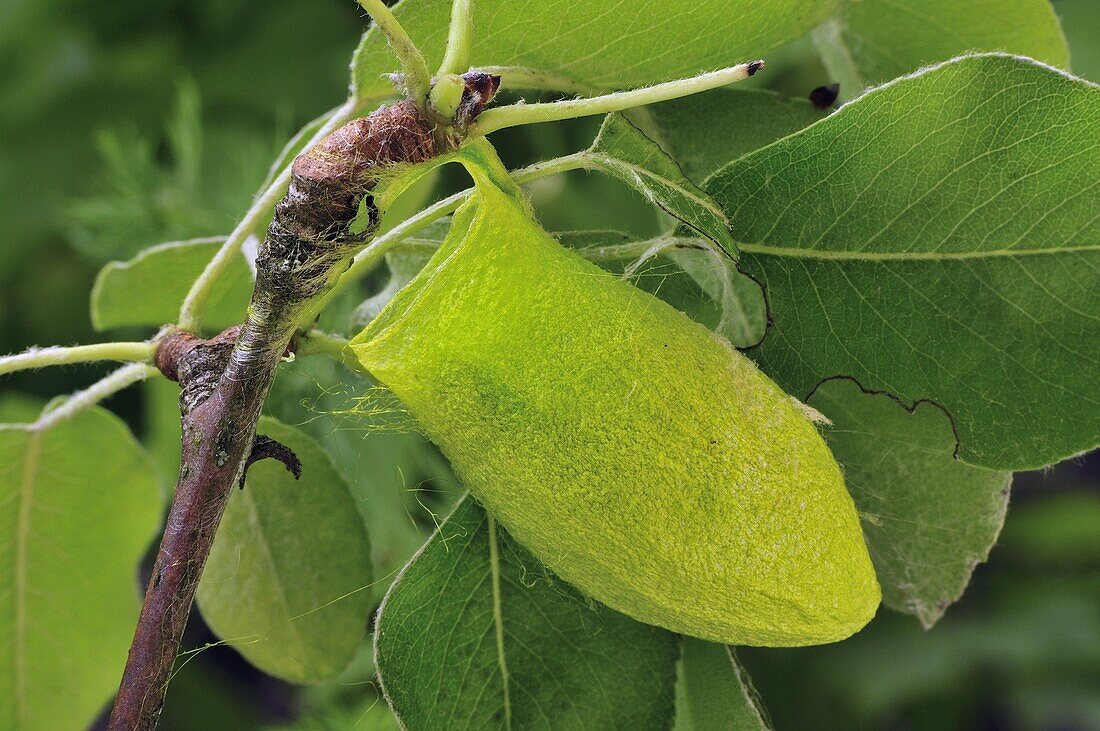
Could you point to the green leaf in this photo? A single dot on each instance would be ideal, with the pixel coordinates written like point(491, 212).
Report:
point(596, 44)
point(79, 506)
point(740, 314)
point(705, 131)
point(937, 239)
point(149, 289)
point(475, 633)
point(870, 41)
point(929, 519)
point(623, 151)
point(713, 692)
point(287, 583)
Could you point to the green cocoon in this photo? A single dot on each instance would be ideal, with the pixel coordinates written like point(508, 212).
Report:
point(630, 449)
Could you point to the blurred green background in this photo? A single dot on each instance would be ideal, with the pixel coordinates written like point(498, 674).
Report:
point(125, 124)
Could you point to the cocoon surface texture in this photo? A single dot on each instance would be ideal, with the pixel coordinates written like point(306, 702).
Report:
point(631, 450)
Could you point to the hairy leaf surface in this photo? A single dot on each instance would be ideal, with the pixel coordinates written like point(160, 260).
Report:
point(475, 633)
point(713, 691)
point(705, 131)
point(686, 273)
point(577, 45)
point(871, 41)
point(939, 239)
point(79, 506)
point(624, 152)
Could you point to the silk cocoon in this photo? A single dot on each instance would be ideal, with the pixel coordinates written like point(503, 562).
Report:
point(634, 452)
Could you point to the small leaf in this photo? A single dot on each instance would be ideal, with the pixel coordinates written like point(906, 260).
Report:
point(596, 44)
point(713, 692)
point(149, 289)
point(705, 131)
point(622, 150)
point(287, 583)
point(79, 506)
point(475, 633)
point(871, 41)
point(929, 519)
point(937, 239)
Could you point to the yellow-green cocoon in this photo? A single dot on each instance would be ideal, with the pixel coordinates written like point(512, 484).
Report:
point(630, 449)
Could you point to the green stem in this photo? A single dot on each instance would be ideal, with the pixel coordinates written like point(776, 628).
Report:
point(457, 58)
point(60, 355)
point(254, 219)
point(516, 114)
point(417, 77)
point(316, 342)
point(98, 391)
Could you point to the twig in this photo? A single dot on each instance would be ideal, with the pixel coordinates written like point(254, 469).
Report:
point(457, 58)
point(224, 381)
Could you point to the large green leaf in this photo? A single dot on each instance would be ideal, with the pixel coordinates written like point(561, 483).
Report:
point(713, 692)
point(596, 44)
point(929, 519)
point(149, 289)
point(871, 41)
point(79, 505)
point(475, 633)
point(938, 239)
point(287, 583)
point(705, 131)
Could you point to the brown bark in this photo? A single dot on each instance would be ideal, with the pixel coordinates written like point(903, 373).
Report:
point(225, 380)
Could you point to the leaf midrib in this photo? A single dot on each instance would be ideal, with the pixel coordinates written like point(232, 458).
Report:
point(257, 522)
point(23, 531)
point(797, 253)
point(498, 620)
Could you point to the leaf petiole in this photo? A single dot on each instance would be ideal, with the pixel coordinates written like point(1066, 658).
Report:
point(457, 58)
point(518, 114)
point(367, 259)
point(61, 355)
point(417, 77)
